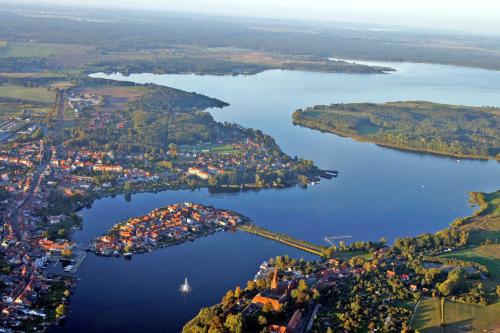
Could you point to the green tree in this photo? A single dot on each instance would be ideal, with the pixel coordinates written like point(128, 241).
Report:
point(234, 323)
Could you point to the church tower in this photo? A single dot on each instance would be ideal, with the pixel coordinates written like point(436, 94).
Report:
point(275, 282)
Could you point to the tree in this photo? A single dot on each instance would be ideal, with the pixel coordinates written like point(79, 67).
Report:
point(268, 307)
point(262, 321)
point(60, 310)
point(251, 285)
point(67, 253)
point(237, 292)
point(234, 323)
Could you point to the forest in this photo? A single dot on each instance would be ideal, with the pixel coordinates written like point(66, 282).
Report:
point(461, 131)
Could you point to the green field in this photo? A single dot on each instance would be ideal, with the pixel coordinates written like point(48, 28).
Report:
point(41, 50)
point(32, 75)
point(37, 95)
point(488, 255)
point(459, 317)
point(223, 149)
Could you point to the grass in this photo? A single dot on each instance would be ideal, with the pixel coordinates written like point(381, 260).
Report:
point(488, 255)
point(9, 110)
point(41, 50)
point(33, 75)
point(223, 149)
point(459, 317)
point(62, 85)
point(487, 224)
point(37, 95)
point(367, 128)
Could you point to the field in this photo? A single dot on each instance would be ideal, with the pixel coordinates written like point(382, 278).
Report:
point(487, 224)
point(223, 149)
point(37, 95)
point(115, 98)
point(32, 75)
point(459, 317)
point(41, 50)
point(9, 110)
point(488, 255)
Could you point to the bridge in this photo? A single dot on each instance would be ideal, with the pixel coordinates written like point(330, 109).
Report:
point(283, 238)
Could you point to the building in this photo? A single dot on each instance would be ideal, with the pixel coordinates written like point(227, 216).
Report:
point(198, 173)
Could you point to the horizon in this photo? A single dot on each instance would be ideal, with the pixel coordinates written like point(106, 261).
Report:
point(482, 17)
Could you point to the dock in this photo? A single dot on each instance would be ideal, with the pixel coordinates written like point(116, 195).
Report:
point(80, 257)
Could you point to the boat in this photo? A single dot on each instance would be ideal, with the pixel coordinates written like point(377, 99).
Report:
point(68, 268)
point(127, 255)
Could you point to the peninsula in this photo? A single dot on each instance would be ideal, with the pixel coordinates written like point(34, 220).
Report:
point(453, 130)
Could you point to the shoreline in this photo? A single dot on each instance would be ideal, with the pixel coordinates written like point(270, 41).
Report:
point(394, 146)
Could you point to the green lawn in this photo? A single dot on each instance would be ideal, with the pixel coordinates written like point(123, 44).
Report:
point(459, 317)
point(488, 255)
point(24, 75)
point(223, 149)
point(37, 95)
point(41, 50)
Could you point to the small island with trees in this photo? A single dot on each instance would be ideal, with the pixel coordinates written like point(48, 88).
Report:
point(453, 130)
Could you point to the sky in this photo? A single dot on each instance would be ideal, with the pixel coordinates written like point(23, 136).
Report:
point(478, 16)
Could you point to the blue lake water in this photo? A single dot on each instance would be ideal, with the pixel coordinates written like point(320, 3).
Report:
point(380, 192)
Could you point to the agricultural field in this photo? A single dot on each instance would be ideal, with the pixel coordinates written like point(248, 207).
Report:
point(24, 94)
point(459, 317)
point(32, 75)
point(9, 110)
point(115, 98)
point(41, 50)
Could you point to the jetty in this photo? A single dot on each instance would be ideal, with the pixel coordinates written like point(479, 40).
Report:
point(283, 238)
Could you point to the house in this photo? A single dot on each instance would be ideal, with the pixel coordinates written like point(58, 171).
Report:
point(107, 168)
point(198, 173)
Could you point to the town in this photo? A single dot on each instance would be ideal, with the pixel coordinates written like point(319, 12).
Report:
point(170, 225)
point(51, 167)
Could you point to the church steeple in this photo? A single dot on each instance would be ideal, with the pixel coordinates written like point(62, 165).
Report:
point(275, 282)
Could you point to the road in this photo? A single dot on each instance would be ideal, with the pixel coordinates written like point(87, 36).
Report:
point(15, 218)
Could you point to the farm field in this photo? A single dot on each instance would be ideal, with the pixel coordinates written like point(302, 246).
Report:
point(41, 50)
point(459, 317)
point(115, 98)
point(29, 75)
point(37, 95)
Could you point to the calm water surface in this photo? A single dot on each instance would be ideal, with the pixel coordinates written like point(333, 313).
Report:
point(380, 192)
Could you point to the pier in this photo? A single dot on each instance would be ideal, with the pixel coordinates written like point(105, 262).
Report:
point(80, 257)
point(283, 238)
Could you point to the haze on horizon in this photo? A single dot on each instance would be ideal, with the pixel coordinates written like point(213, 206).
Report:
point(480, 16)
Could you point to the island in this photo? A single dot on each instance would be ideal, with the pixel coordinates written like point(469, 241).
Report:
point(173, 224)
point(453, 130)
point(449, 279)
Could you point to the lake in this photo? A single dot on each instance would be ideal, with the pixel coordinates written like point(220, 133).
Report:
point(380, 192)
